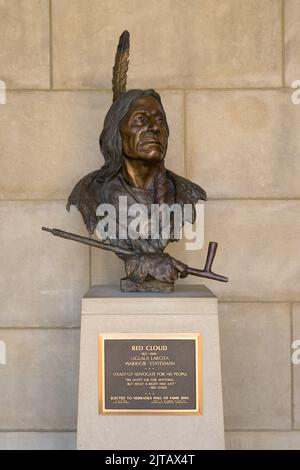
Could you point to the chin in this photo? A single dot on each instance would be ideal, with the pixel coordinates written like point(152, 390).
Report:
point(152, 157)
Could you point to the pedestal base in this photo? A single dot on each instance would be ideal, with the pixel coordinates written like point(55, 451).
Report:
point(146, 286)
point(190, 309)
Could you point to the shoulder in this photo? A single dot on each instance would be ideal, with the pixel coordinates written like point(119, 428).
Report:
point(86, 196)
point(187, 192)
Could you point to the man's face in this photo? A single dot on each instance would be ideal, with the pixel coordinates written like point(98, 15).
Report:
point(144, 130)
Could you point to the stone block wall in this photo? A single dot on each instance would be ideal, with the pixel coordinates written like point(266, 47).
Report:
point(224, 69)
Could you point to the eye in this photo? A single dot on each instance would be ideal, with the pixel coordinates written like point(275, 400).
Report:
point(140, 119)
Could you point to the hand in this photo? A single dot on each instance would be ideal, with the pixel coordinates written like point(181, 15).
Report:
point(160, 266)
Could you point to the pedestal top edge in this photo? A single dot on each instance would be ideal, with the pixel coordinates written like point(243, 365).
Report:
point(180, 291)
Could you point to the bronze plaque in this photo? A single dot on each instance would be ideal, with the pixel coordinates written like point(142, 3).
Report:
point(155, 373)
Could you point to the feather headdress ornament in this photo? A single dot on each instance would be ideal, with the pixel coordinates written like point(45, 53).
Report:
point(121, 66)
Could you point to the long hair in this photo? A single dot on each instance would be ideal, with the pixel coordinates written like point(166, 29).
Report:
point(111, 143)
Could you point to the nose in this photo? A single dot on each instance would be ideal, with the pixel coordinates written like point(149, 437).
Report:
point(153, 125)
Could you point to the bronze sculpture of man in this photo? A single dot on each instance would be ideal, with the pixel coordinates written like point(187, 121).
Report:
point(134, 143)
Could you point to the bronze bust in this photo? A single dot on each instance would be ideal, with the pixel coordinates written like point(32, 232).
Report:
point(134, 143)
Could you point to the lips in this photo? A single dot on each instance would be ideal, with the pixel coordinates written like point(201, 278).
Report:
point(155, 142)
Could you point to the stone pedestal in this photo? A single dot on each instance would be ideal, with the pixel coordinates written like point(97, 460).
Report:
point(190, 309)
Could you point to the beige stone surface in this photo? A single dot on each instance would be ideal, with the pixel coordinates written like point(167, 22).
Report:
point(262, 440)
point(106, 267)
point(50, 138)
point(182, 44)
point(173, 102)
point(24, 39)
point(243, 143)
point(292, 41)
point(37, 440)
point(256, 372)
point(53, 140)
point(39, 382)
point(296, 371)
point(42, 277)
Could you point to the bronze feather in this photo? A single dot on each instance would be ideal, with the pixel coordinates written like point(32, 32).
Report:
point(121, 66)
